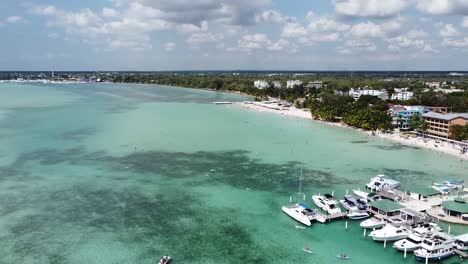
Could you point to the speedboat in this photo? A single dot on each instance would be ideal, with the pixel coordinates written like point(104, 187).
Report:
point(327, 203)
point(373, 223)
point(343, 256)
point(368, 197)
point(462, 242)
point(415, 238)
point(380, 182)
point(389, 233)
point(165, 260)
point(300, 212)
point(357, 215)
point(437, 247)
point(354, 203)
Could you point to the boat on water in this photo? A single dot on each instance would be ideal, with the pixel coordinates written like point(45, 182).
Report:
point(327, 203)
point(437, 247)
point(373, 223)
point(368, 197)
point(381, 182)
point(389, 233)
point(301, 213)
point(165, 260)
point(461, 242)
point(343, 256)
point(356, 207)
point(415, 238)
point(307, 250)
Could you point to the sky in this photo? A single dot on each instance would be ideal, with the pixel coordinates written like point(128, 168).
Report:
point(159, 35)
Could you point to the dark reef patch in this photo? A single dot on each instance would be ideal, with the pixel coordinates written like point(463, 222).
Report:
point(394, 146)
point(78, 134)
point(359, 142)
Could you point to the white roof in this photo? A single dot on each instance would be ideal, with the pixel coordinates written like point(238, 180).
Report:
point(463, 237)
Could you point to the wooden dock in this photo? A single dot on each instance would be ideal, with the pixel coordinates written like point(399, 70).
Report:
point(460, 253)
point(336, 216)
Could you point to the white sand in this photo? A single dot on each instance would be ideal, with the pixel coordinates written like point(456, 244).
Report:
point(431, 144)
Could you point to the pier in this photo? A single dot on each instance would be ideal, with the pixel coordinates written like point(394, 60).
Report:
point(460, 253)
point(336, 216)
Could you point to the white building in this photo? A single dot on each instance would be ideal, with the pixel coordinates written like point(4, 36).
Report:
point(402, 96)
point(433, 84)
point(315, 84)
point(277, 84)
point(293, 83)
point(382, 94)
point(260, 84)
point(447, 91)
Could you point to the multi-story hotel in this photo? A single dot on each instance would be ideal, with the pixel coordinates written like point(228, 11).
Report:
point(439, 124)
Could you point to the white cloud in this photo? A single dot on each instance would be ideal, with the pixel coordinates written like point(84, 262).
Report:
point(369, 8)
point(366, 30)
point(428, 48)
point(318, 29)
point(13, 19)
point(449, 31)
point(272, 16)
point(53, 35)
point(204, 37)
point(170, 46)
point(110, 12)
point(443, 7)
point(259, 41)
point(191, 28)
point(361, 44)
point(456, 43)
point(465, 22)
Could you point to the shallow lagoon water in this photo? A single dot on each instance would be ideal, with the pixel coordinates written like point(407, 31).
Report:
point(117, 173)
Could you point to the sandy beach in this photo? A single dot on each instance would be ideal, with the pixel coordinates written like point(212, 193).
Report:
point(426, 143)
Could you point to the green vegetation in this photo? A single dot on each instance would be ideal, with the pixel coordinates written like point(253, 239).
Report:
point(459, 132)
point(416, 122)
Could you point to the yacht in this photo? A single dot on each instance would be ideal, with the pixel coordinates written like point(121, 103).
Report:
point(369, 197)
point(373, 223)
point(413, 241)
point(301, 213)
point(437, 247)
point(389, 233)
point(327, 203)
point(380, 182)
point(462, 242)
point(356, 207)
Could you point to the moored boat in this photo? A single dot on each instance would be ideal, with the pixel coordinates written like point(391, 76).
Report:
point(389, 233)
point(415, 238)
point(435, 248)
point(165, 260)
point(300, 212)
point(461, 242)
point(380, 182)
point(372, 223)
point(327, 203)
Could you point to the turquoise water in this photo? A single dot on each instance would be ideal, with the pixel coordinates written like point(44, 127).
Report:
point(108, 173)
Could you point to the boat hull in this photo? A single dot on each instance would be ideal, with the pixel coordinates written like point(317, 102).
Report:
point(423, 258)
point(393, 238)
point(370, 224)
point(410, 247)
point(300, 218)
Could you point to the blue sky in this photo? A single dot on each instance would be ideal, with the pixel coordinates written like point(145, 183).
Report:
point(234, 34)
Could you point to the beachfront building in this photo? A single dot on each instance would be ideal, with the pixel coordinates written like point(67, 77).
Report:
point(439, 124)
point(401, 113)
point(402, 96)
point(385, 207)
point(277, 84)
point(457, 208)
point(293, 83)
point(357, 93)
point(315, 84)
point(261, 84)
point(433, 84)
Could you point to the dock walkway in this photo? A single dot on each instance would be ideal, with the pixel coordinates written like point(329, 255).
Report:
point(460, 253)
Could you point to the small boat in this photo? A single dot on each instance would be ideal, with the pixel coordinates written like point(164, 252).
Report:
point(435, 248)
point(389, 233)
point(300, 212)
point(372, 223)
point(462, 242)
point(357, 215)
point(343, 256)
point(327, 203)
point(380, 182)
point(165, 260)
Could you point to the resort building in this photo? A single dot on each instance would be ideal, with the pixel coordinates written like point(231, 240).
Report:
point(457, 208)
point(260, 84)
point(433, 84)
point(277, 84)
point(356, 94)
point(385, 207)
point(402, 96)
point(401, 113)
point(439, 109)
point(315, 84)
point(439, 124)
point(293, 83)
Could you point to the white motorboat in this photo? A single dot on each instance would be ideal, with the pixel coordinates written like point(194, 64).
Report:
point(357, 215)
point(373, 223)
point(368, 197)
point(354, 203)
point(380, 182)
point(435, 248)
point(462, 242)
point(415, 238)
point(165, 260)
point(389, 233)
point(300, 212)
point(327, 203)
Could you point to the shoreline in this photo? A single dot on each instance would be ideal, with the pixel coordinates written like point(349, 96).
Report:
point(426, 143)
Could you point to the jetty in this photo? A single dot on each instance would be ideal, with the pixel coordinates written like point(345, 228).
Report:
point(460, 253)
